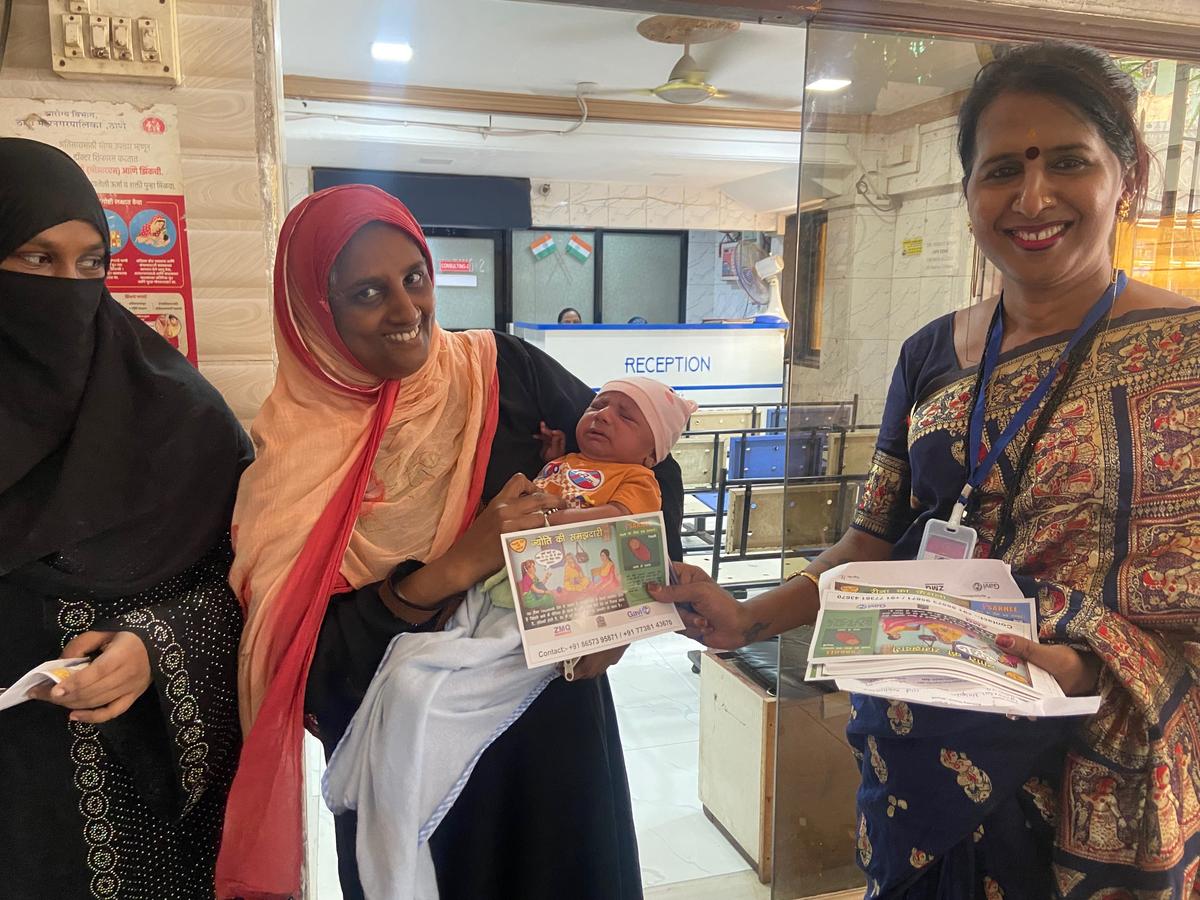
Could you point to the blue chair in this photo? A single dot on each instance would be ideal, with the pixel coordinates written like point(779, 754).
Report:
point(767, 456)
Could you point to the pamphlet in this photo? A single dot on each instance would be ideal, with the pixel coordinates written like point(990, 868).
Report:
point(581, 588)
point(55, 671)
point(925, 632)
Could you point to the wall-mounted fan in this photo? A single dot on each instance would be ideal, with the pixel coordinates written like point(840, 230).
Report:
point(758, 272)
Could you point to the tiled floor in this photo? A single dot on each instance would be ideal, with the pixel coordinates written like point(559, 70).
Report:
point(740, 886)
point(658, 706)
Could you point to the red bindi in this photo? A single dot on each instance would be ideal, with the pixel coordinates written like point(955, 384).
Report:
point(1033, 153)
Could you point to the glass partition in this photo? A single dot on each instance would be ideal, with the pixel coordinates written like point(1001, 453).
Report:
point(1163, 245)
point(465, 273)
point(642, 275)
point(879, 248)
point(545, 279)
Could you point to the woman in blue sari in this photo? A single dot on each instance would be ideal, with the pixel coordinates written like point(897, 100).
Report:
point(1095, 504)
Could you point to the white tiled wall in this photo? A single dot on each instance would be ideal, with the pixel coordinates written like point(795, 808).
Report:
point(875, 297)
point(708, 294)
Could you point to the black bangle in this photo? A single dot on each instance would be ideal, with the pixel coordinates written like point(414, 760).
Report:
point(401, 572)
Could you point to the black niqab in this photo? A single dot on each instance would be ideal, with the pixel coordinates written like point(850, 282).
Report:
point(118, 461)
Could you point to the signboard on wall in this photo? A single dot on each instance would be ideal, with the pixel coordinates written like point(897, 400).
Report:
point(707, 363)
point(131, 155)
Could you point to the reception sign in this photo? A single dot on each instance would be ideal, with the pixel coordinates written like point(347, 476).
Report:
point(714, 363)
point(131, 155)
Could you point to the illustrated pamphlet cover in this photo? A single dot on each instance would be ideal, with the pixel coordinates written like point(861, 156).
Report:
point(580, 588)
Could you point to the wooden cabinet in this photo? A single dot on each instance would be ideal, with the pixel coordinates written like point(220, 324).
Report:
point(817, 777)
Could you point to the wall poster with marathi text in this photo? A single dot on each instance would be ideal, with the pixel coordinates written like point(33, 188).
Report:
point(131, 154)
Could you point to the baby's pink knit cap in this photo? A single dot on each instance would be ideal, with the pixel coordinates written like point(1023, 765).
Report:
point(665, 410)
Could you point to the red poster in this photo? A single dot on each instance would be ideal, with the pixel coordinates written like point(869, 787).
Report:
point(149, 271)
point(131, 155)
point(454, 265)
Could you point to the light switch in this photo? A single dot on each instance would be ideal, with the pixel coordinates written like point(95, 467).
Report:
point(118, 40)
point(100, 35)
point(148, 32)
point(122, 38)
point(73, 35)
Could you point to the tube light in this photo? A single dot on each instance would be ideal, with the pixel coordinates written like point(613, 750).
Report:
point(828, 85)
point(388, 52)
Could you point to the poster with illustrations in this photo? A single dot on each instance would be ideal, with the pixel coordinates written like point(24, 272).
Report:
point(131, 155)
point(581, 588)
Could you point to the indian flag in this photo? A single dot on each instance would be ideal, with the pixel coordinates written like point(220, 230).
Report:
point(543, 246)
point(579, 248)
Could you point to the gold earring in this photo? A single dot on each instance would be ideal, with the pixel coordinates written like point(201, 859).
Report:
point(970, 228)
point(1123, 208)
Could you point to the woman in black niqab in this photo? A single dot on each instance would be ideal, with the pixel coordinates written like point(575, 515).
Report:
point(118, 470)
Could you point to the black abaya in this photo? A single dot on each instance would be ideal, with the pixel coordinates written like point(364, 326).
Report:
point(118, 471)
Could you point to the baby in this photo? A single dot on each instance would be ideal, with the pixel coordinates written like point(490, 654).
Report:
point(631, 426)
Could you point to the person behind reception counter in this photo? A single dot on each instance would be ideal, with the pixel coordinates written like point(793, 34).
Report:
point(569, 316)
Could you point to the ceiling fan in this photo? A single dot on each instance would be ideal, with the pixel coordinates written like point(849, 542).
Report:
point(688, 81)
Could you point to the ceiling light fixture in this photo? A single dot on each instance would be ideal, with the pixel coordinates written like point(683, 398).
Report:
point(828, 85)
point(389, 52)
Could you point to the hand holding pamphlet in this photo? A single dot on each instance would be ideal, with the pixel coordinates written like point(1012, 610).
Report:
point(925, 632)
point(53, 672)
point(581, 588)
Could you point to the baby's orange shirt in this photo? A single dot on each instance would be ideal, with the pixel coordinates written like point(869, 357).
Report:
point(583, 482)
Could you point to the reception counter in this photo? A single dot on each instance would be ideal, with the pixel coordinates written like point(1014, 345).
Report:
point(711, 364)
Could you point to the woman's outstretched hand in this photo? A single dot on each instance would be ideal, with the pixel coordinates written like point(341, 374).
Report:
point(711, 615)
point(517, 507)
point(1075, 672)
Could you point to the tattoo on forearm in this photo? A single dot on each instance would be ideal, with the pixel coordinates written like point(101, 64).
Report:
point(752, 634)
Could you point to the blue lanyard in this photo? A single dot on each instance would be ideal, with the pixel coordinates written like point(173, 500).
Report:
point(981, 468)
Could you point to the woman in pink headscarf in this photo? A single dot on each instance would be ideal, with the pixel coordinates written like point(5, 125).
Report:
point(361, 520)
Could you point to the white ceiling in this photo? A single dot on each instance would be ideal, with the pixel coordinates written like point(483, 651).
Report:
point(395, 138)
point(536, 48)
point(545, 48)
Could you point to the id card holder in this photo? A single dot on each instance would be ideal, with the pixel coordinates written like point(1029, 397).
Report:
point(945, 541)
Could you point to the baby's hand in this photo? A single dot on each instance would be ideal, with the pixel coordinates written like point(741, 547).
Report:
point(553, 441)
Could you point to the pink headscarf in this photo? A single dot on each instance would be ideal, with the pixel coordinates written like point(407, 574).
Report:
point(332, 501)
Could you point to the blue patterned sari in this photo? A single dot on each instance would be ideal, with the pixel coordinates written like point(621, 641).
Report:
point(957, 805)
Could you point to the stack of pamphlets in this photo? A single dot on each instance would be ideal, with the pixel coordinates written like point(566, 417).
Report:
point(925, 632)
